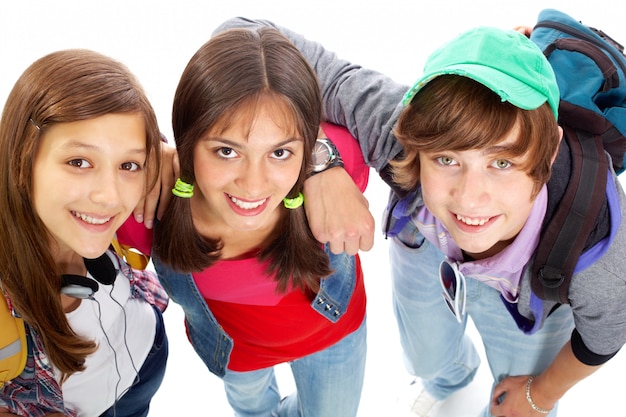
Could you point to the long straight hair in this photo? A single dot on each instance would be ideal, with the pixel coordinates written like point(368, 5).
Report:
point(62, 87)
point(229, 76)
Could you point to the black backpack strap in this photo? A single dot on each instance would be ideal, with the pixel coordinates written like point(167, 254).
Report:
point(563, 240)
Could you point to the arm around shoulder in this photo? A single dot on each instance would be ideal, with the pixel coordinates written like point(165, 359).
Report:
point(366, 102)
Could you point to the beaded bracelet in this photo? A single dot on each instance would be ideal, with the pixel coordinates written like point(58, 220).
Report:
point(530, 400)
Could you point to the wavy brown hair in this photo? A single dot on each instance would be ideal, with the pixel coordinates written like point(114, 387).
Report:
point(62, 87)
point(229, 76)
point(456, 113)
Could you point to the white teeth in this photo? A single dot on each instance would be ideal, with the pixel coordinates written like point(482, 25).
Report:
point(91, 220)
point(246, 205)
point(471, 222)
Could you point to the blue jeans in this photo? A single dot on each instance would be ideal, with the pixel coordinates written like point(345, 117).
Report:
point(328, 383)
point(136, 401)
point(435, 345)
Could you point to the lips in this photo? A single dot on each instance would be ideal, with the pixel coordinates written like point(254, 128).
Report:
point(473, 221)
point(247, 205)
point(90, 219)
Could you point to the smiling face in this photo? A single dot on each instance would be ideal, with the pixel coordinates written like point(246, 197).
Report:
point(88, 176)
point(482, 198)
point(245, 169)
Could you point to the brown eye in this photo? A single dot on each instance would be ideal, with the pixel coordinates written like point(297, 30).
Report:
point(281, 154)
point(79, 163)
point(226, 153)
point(130, 166)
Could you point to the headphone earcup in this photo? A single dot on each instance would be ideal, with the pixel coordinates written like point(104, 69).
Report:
point(78, 286)
point(77, 291)
point(102, 269)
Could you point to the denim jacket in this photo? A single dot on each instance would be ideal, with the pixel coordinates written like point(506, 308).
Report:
point(210, 340)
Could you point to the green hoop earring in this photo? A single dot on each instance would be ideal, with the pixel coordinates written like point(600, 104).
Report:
point(294, 203)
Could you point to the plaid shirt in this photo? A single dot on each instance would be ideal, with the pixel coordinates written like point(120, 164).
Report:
point(144, 284)
point(36, 392)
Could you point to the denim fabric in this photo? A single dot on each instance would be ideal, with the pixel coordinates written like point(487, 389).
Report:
point(136, 401)
point(436, 347)
point(328, 382)
point(210, 340)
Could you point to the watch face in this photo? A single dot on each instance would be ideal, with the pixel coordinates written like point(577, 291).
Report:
point(321, 154)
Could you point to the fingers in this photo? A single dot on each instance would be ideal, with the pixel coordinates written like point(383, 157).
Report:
point(366, 241)
point(138, 212)
point(338, 213)
point(524, 30)
point(497, 398)
point(350, 246)
point(149, 206)
point(352, 237)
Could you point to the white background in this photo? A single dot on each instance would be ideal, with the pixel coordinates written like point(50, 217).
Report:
point(155, 39)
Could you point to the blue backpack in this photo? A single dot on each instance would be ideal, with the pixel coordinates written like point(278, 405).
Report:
point(590, 69)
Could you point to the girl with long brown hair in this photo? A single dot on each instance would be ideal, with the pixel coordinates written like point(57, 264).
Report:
point(234, 247)
point(79, 147)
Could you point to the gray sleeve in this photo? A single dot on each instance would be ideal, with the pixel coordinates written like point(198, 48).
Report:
point(598, 294)
point(366, 102)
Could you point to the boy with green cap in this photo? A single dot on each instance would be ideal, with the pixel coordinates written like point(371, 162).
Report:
point(474, 155)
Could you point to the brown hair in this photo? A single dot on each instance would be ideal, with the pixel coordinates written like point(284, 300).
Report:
point(62, 87)
point(457, 113)
point(229, 76)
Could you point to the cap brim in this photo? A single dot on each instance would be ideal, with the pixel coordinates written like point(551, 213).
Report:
point(507, 87)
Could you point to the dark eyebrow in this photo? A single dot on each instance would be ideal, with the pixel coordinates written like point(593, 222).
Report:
point(287, 141)
point(233, 144)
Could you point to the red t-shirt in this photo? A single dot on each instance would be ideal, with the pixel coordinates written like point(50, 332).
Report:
point(267, 328)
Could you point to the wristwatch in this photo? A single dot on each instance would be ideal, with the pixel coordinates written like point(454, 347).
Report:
point(325, 156)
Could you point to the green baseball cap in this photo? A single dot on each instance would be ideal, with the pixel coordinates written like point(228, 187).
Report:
point(505, 61)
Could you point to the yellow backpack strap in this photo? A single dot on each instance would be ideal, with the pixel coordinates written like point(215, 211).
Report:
point(132, 257)
point(13, 348)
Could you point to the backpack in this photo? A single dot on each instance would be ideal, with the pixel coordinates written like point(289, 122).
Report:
point(590, 69)
point(13, 348)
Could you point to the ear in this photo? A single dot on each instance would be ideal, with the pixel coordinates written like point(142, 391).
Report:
point(557, 148)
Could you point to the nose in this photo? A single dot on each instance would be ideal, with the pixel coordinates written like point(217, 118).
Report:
point(471, 188)
point(252, 178)
point(106, 188)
